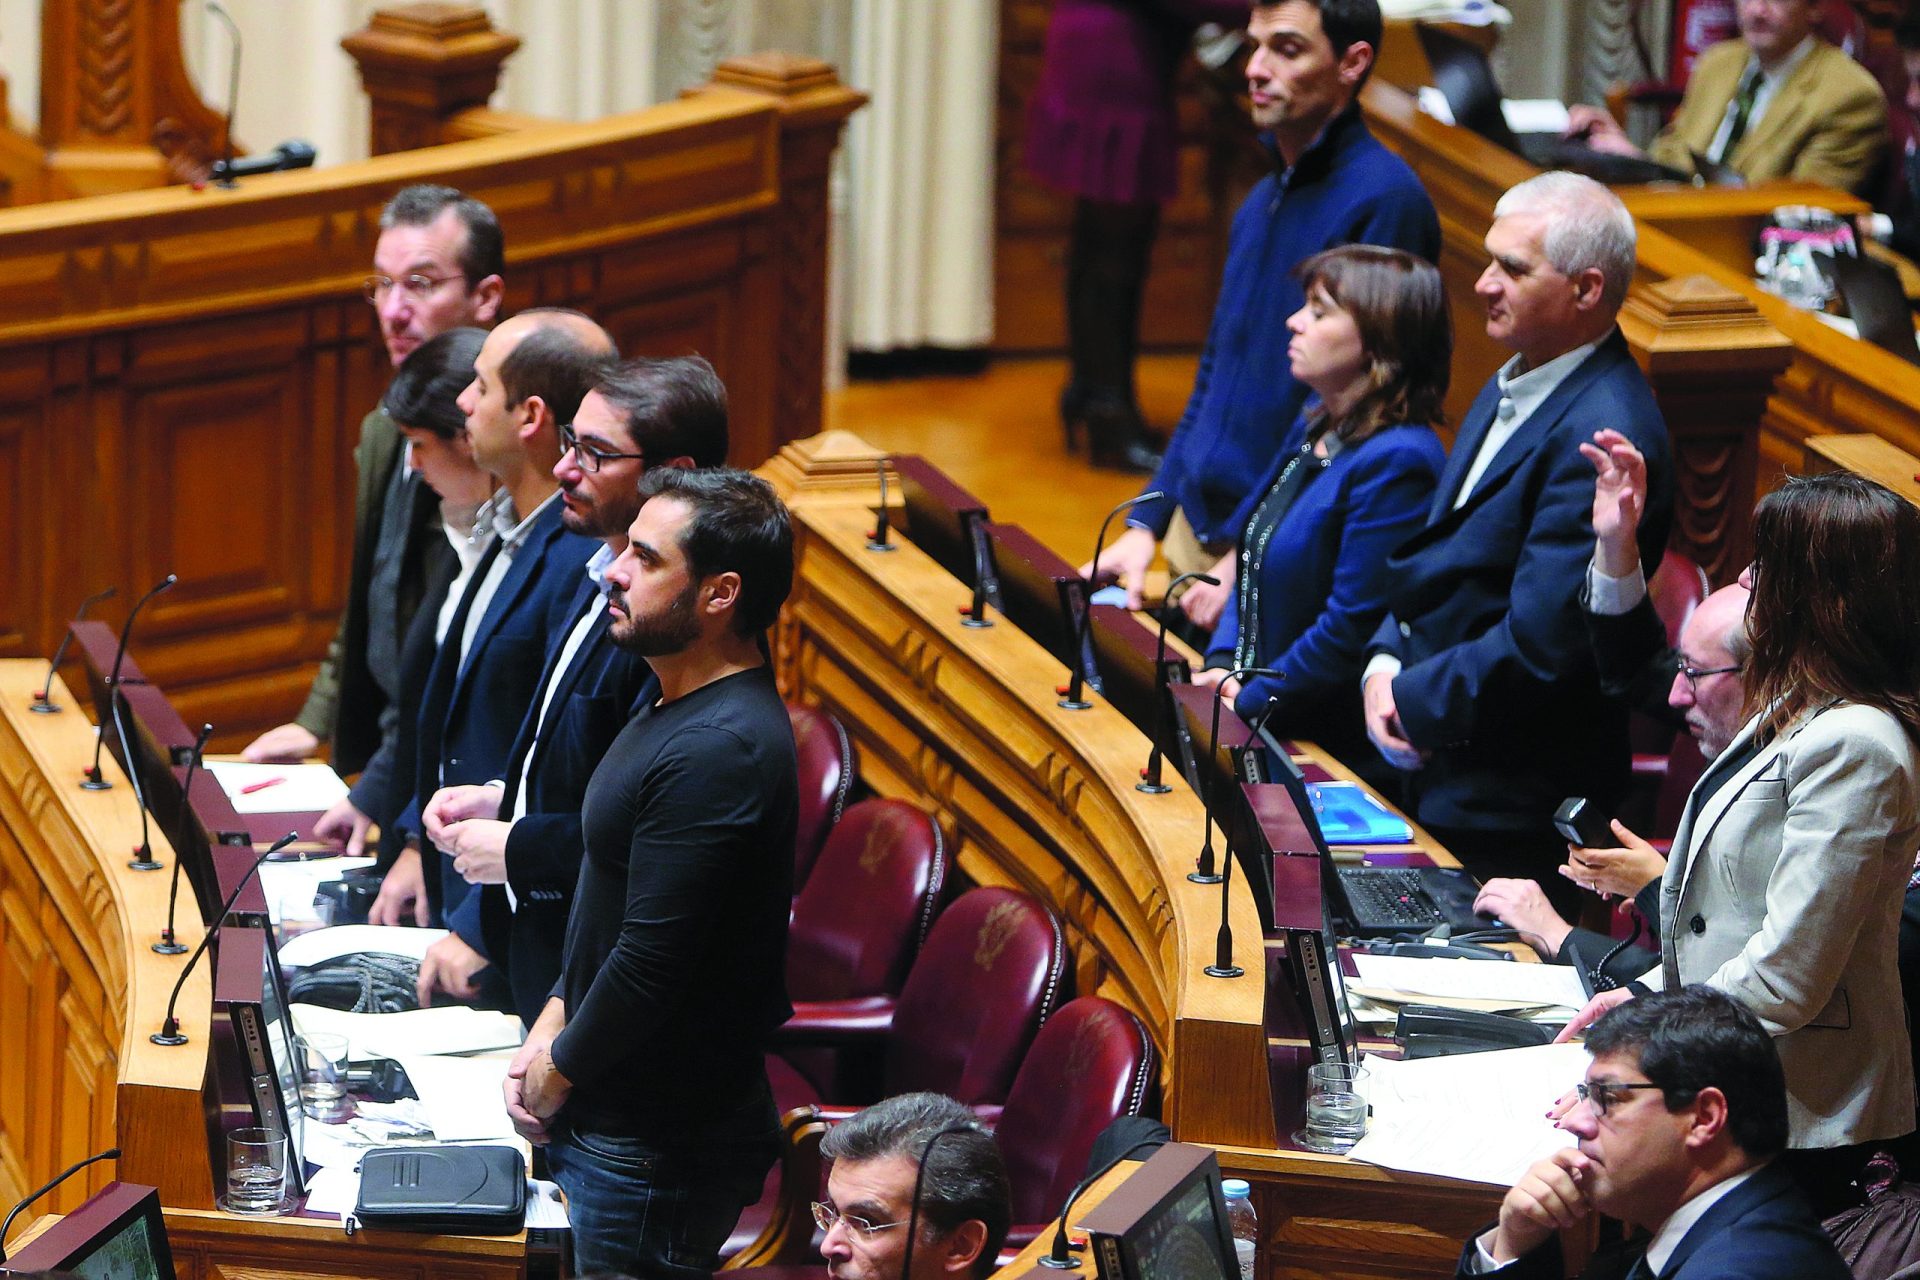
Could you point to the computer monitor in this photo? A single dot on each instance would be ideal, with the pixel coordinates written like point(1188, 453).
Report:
point(1042, 595)
point(1167, 1221)
point(1127, 652)
point(118, 1234)
point(944, 520)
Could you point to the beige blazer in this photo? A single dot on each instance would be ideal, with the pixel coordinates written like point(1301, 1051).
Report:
point(1827, 123)
point(1784, 890)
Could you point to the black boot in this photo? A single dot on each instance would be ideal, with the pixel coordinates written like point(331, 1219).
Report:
point(1117, 438)
point(1106, 272)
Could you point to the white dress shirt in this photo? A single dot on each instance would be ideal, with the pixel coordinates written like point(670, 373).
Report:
point(1665, 1240)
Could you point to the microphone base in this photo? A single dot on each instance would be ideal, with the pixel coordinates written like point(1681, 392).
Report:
point(94, 782)
point(143, 861)
point(1228, 971)
point(169, 948)
point(1152, 788)
point(42, 707)
point(1074, 704)
point(1201, 878)
point(171, 1039)
point(1060, 1264)
point(873, 545)
point(976, 624)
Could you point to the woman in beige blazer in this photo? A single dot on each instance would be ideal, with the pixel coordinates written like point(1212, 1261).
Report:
point(1785, 884)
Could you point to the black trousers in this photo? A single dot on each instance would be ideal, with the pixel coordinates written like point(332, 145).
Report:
point(1106, 274)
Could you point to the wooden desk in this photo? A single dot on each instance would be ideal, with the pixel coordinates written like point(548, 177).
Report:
point(1724, 222)
point(1027, 1262)
point(1869, 456)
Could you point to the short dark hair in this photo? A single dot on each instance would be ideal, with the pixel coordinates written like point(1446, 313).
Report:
point(1835, 615)
point(553, 362)
point(1696, 1038)
point(674, 407)
point(738, 525)
point(1399, 304)
point(965, 1177)
point(420, 205)
point(1347, 23)
point(427, 385)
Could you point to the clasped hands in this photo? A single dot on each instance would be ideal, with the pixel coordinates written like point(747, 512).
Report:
point(464, 823)
point(535, 1089)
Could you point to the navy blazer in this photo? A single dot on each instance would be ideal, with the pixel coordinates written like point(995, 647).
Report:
point(1323, 580)
point(471, 711)
point(592, 701)
point(1498, 677)
point(1763, 1229)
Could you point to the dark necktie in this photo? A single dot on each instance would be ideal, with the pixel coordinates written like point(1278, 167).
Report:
point(1742, 109)
point(1640, 1270)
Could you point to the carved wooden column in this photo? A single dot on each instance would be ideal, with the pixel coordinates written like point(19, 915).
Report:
point(1712, 359)
point(814, 107)
point(423, 63)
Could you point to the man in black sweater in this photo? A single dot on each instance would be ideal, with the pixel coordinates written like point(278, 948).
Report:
point(644, 1074)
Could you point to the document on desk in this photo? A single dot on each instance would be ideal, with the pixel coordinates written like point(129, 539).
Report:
point(1505, 985)
point(462, 1096)
point(320, 945)
point(448, 1030)
point(278, 788)
point(297, 883)
point(1480, 1117)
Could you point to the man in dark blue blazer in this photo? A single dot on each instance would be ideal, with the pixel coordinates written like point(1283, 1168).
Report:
point(528, 378)
point(517, 838)
point(1482, 686)
point(1683, 1107)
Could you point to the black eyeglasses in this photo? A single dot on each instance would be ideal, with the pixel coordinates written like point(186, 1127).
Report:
point(413, 287)
point(591, 456)
point(825, 1215)
point(1694, 675)
point(1604, 1093)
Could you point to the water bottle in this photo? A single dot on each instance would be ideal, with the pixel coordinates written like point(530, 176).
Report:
point(1240, 1221)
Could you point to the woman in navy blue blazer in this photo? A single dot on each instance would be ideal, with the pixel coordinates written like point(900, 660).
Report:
point(1354, 478)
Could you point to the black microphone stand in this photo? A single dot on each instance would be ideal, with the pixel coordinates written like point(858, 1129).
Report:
point(143, 859)
point(111, 1153)
point(1204, 872)
point(1223, 965)
point(919, 1181)
point(43, 702)
point(1060, 1256)
point(223, 168)
point(168, 944)
point(1073, 698)
point(92, 781)
point(878, 542)
point(1150, 775)
point(169, 1033)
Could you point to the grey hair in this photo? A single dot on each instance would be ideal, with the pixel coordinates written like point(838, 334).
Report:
point(1587, 226)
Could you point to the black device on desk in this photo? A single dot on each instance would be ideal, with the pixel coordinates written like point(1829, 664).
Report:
point(1433, 1031)
point(118, 1232)
point(1461, 73)
point(1167, 1220)
point(1877, 304)
point(249, 982)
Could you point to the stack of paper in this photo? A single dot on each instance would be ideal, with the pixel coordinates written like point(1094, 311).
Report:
point(1492, 985)
point(451, 1029)
point(320, 945)
point(278, 788)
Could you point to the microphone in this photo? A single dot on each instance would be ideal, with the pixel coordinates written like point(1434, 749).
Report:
point(1223, 965)
point(294, 153)
point(43, 702)
point(1204, 872)
point(919, 1181)
point(1151, 783)
point(93, 781)
point(1060, 1256)
point(143, 859)
point(878, 542)
point(1072, 699)
point(111, 1153)
point(223, 167)
point(169, 1033)
point(168, 944)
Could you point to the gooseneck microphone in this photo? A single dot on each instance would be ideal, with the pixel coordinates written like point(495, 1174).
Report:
point(43, 702)
point(1060, 1257)
point(1223, 965)
point(92, 780)
point(111, 1153)
point(143, 859)
point(1074, 698)
point(878, 542)
point(223, 167)
point(1150, 776)
point(169, 1033)
point(168, 944)
point(1204, 873)
point(920, 1180)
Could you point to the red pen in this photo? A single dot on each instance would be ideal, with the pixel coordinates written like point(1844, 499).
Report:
point(261, 785)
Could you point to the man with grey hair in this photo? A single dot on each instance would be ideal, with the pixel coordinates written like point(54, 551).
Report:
point(1482, 687)
point(878, 1157)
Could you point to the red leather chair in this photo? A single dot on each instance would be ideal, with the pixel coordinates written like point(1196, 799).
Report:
point(828, 767)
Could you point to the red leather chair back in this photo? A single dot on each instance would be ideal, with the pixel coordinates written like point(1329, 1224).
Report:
point(982, 986)
point(1091, 1064)
point(868, 904)
point(828, 767)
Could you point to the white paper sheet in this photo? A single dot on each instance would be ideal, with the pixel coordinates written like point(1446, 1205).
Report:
point(1521, 985)
point(300, 788)
point(453, 1029)
point(1435, 104)
point(296, 882)
point(352, 939)
point(1535, 115)
point(462, 1096)
point(1480, 1117)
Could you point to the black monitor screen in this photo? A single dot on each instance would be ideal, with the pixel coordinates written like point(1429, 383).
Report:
point(119, 1234)
point(1188, 1239)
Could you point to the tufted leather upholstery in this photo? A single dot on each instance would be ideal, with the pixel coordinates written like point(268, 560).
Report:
point(828, 767)
point(867, 905)
point(1091, 1064)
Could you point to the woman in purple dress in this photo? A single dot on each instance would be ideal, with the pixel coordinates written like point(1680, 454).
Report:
point(1101, 126)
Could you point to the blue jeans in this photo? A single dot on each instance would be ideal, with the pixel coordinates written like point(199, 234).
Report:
point(653, 1209)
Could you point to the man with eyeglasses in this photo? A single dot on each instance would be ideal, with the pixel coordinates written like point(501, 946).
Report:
point(437, 266)
point(531, 375)
point(518, 838)
point(1682, 1111)
point(965, 1204)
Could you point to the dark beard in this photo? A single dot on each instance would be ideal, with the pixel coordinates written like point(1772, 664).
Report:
point(669, 631)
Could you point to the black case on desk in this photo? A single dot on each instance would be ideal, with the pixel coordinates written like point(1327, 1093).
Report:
point(476, 1191)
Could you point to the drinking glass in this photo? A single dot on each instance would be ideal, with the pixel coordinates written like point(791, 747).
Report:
point(256, 1172)
point(320, 1063)
point(1336, 1106)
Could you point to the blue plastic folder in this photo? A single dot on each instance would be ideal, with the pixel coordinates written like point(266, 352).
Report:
point(1348, 815)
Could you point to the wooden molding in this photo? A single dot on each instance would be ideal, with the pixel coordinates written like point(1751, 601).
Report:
point(423, 63)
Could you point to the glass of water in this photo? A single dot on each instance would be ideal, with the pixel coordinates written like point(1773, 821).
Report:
point(256, 1172)
point(1336, 1106)
point(320, 1062)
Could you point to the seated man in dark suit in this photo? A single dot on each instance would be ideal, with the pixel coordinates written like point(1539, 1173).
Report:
point(1482, 687)
point(517, 838)
point(1682, 1111)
